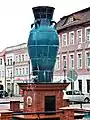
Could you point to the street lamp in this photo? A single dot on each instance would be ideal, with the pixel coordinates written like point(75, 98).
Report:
point(64, 70)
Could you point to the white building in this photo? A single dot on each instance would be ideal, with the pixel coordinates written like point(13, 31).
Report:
point(16, 68)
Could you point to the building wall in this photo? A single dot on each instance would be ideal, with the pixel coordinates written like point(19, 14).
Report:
point(75, 49)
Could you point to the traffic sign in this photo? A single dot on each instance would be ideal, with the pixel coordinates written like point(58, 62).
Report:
point(72, 75)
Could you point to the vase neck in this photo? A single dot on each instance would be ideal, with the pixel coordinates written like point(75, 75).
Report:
point(43, 22)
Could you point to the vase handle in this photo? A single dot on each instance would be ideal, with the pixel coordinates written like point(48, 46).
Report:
point(36, 24)
point(51, 23)
point(32, 25)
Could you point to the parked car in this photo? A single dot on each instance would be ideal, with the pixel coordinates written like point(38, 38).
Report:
point(75, 95)
point(3, 94)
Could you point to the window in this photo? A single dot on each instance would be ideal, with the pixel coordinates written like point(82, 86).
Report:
point(80, 85)
point(22, 57)
point(23, 71)
point(71, 38)
point(20, 71)
point(7, 61)
point(79, 61)
point(26, 57)
point(57, 65)
point(88, 86)
point(88, 59)
point(8, 87)
point(87, 34)
point(7, 73)
point(16, 58)
point(19, 58)
point(2, 73)
point(0, 61)
point(64, 39)
point(10, 61)
point(16, 71)
point(79, 36)
point(26, 70)
point(11, 74)
point(71, 61)
point(71, 19)
point(64, 61)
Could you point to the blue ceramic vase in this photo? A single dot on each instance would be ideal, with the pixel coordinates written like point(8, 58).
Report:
point(43, 43)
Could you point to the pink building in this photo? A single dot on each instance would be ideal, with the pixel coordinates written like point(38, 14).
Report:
point(74, 52)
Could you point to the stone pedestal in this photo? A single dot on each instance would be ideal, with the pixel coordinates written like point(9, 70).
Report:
point(68, 113)
point(5, 115)
point(15, 106)
point(42, 97)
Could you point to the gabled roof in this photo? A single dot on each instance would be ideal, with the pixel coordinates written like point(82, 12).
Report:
point(3, 53)
point(78, 17)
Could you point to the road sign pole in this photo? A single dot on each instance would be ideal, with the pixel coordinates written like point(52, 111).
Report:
point(72, 76)
point(72, 87)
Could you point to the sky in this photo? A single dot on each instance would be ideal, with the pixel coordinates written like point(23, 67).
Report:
point(16, 17)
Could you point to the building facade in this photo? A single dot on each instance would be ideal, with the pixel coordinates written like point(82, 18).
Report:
point(74, 52)
point(15, 67)
point(21, 66)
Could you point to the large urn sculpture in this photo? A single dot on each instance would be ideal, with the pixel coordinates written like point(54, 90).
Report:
point(43, 44)
point(43, 95)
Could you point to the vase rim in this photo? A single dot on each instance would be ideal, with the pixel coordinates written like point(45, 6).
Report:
point(43, 7)
point(43, 12)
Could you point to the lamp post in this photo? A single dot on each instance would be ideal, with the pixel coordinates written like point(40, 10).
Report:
point(64, 70)
point(13, 77)
point(11, 83)
point(29, 69)
point(5, 74)
point(4, 58)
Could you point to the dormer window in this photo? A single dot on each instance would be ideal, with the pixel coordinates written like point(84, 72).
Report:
point(71, 19)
